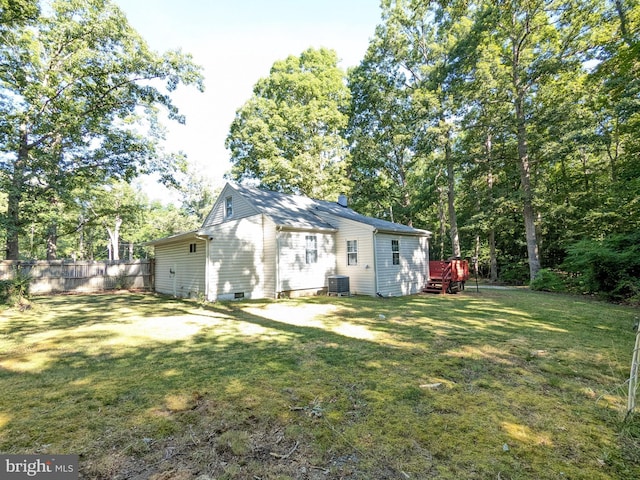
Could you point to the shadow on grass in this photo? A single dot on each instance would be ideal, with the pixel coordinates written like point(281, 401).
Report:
point(361, 385)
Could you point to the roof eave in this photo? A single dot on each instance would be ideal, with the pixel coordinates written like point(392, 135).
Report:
point(172, 238)
point(416, 233)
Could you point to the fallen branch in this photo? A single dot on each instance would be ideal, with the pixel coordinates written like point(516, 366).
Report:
point(323, 470)
point(284, 457)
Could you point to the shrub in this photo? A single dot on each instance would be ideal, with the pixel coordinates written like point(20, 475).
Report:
point(610, 267)
point(549, 281)
point(15, 291)
point(515, 273)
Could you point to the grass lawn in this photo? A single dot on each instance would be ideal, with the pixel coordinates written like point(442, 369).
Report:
point(501, 384)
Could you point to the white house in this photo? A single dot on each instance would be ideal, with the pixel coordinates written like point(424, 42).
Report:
point(260, 244)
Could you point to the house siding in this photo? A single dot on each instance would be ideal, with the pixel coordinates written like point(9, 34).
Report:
point(241, 208)
point(293, 271)
point(270, 257)
point(236, 259)
point(260, 250)
point(362, 280)
point(178, 271)
point(411, 274)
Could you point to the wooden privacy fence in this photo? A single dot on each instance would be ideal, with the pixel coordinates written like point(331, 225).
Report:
point(60, 276)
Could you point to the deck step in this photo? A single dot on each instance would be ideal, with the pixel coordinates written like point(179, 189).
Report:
point(436, 286)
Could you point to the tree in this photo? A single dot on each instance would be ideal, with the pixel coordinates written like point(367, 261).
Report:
point(289, 134)
point(17, 12)
point(382, 138)
point(405, 105)
point(81, 95)
point(196, 196)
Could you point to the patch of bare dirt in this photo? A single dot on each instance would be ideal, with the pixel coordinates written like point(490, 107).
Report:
point(211, 448)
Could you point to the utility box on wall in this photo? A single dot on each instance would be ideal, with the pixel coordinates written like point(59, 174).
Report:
point(338, 285)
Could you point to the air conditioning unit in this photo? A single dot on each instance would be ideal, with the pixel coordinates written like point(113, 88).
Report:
point(338, 285)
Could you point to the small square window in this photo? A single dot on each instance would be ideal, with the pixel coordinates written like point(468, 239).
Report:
point(192, 248)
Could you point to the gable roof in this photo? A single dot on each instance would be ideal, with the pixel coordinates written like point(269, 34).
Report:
point(297, 211)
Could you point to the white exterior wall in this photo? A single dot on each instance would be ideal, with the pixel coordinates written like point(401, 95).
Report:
point(410, 276)
point(179, 272)
point(362, 280)
point(293, 271)
point(237, 260)
point(270, 257)
point(241, 208)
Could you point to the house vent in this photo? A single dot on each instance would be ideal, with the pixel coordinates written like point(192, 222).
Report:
point(342, 200)
point(338, 285)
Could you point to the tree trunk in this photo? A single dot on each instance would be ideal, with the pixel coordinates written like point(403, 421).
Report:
point(525, 185)
point(441, 218)
point(493, 259)
point(15, 197)
point(453, 220)
point(52, 241)
point(114, 240)
point(622, 16)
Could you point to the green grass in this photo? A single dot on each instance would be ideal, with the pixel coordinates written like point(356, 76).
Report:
point(501, 384)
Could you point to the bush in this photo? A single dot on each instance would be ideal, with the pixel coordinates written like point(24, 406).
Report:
point(15, 291)
point(515, 273)
point(610, 267)
point(549, 281)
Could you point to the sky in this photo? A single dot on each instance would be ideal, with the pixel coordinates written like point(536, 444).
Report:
point(237, 42)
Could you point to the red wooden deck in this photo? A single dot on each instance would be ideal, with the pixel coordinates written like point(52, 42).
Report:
point(447, 276)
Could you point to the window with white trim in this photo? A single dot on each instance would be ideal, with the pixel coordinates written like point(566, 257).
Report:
point(395, 251)
point(311, 253)
point(228, 207)
point(192, 248)
point(352, 252)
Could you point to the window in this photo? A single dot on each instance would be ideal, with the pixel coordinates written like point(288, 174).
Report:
point(395, 251)
point(228, 207)
point(352, 252)
point(311, 249)
point(192, 248)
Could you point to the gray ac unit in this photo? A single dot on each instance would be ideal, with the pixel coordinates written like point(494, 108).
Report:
point(338, 285)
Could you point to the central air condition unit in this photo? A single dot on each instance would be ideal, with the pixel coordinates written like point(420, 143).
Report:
point(338, 285)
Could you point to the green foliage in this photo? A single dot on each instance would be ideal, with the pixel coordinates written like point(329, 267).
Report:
point(541, 101)
point(549, 281)
point(289, 135)
point(15, 12)
point(515, 272)
point(82, 94)
point(610, 266)
point(15, 292)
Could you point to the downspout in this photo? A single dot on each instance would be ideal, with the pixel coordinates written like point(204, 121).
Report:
point(278, 289)
point(375, 255)
point(206, 265)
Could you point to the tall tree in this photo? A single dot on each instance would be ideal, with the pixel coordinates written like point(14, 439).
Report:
point(78, 92)
point(289, 134)
point(382, 138)
point(413, 110)
point(537, 41)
